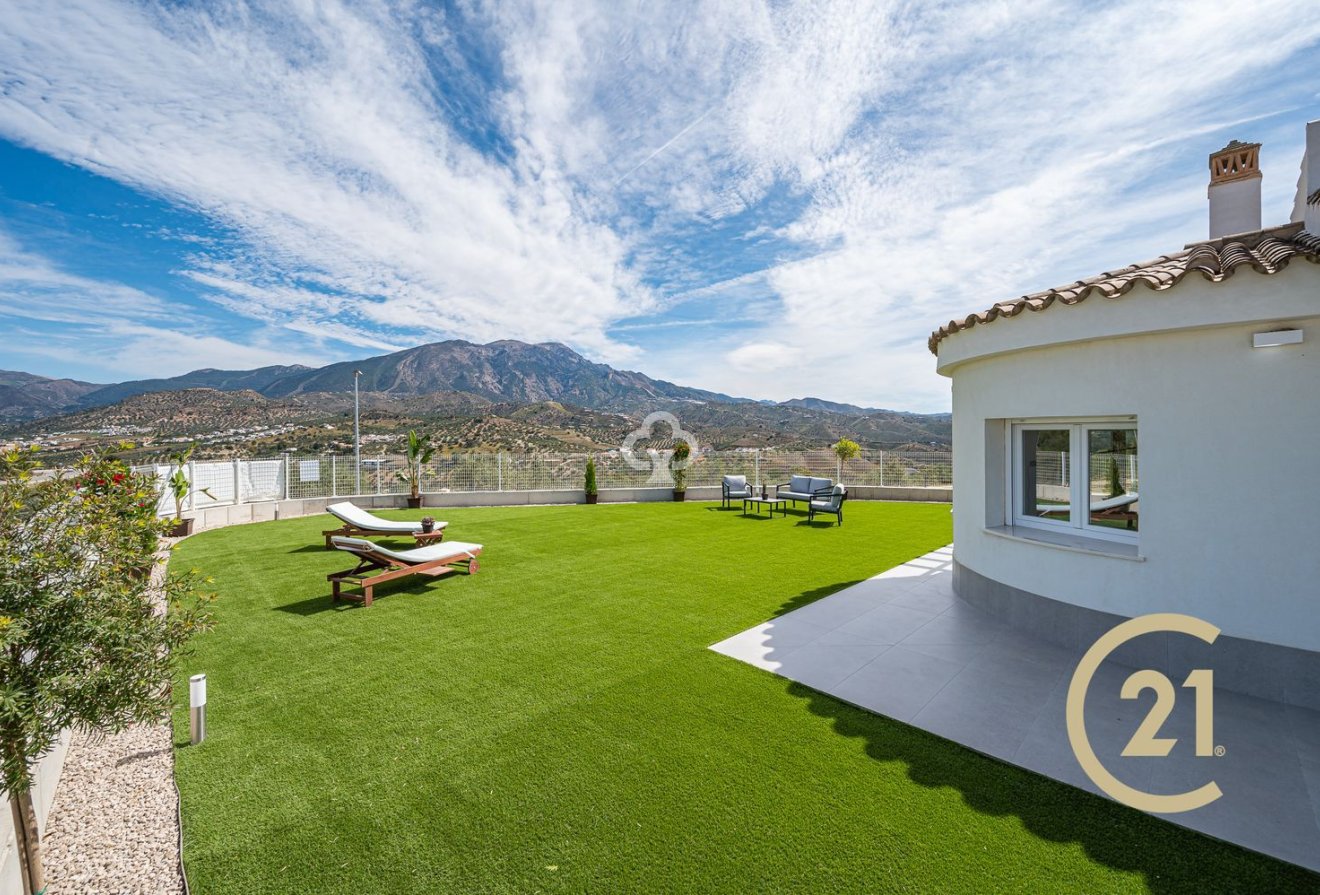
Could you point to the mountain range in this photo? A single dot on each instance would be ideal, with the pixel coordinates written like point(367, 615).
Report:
point(506, 393)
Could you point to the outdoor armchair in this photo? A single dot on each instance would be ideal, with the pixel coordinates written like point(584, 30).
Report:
point(828, 500)
point(735, 487)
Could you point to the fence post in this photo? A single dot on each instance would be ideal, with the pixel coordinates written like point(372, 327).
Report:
point(882, 469)
point(192, 485)
point(288, 478)
point(238, 481)
point(334, 477)
point(499, 470)
point(379, 466)
point(756, 464)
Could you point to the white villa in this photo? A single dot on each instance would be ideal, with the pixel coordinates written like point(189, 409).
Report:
point(1202, 364)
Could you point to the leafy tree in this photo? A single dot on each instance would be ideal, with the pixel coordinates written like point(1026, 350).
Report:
point(87, 641)
point(846, 449)
point(420, 451)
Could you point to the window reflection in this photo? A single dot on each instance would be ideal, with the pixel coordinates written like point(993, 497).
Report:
point(1112, 465)
point(1045, 474)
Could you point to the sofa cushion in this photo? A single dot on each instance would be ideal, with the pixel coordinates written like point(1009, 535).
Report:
point(735, 482)
point(800, 483)
point(819, 484)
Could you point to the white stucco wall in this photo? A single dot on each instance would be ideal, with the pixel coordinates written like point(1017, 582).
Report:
point(1229, 448)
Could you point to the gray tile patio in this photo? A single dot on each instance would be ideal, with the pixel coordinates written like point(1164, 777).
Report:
point(903, 645)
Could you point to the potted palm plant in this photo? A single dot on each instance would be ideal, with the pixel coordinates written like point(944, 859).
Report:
point(678, 462)
point(590, 483)
point(180, 488)
point(420, 450)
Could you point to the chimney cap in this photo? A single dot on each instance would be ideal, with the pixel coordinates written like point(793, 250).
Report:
point(1236, 161)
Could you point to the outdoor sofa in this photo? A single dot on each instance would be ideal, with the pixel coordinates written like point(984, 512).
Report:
point(804, 488)
point(735, 487)
point(358, 521)
point(377, 564)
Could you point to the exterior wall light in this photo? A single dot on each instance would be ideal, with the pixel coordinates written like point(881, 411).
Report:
point(1276, 337)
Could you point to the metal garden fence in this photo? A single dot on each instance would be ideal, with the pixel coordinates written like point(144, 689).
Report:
point(295, 476)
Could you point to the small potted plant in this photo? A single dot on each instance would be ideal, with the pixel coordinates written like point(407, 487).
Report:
point(180, 488)
point(420, 450)
point(590, 483)
point(428, 524)
point(678, 462)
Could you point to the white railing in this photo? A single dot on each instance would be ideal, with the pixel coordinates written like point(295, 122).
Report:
point(296, 476)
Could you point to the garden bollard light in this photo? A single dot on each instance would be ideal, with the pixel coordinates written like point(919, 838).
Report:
point(197, 707)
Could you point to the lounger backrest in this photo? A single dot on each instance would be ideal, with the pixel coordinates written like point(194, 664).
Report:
point(360, 546)
point(351, 513)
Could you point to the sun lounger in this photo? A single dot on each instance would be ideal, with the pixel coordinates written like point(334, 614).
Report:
point(358, 521)
point(377, 564)
point(1108, 505)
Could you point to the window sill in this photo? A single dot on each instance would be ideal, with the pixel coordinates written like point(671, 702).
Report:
point(1074, 543)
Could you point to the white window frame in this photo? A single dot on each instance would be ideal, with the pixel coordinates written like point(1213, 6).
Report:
point(1079, 476)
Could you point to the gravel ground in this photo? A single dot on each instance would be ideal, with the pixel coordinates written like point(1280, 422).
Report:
point(113, 828)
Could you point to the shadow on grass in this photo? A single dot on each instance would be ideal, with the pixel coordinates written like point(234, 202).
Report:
point(324, 603)
point(1170, 859)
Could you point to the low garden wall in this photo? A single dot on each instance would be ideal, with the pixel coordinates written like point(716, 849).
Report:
point(46, 775)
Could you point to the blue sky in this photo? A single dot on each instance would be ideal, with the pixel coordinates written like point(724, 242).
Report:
point(768, 199)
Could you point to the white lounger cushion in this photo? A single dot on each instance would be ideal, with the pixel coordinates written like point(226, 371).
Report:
point(415, 556)
point(1110, 503)
point(354, 515)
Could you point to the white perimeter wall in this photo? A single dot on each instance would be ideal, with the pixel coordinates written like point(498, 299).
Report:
point(47, 777)
point(1229, 448)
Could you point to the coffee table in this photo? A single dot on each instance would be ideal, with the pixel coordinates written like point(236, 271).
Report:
point(772, 503)
point(422, 538)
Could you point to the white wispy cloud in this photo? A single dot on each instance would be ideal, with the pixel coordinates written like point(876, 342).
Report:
point(920, 160)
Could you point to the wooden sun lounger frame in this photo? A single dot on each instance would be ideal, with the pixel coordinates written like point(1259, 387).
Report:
point(359, 576)
point(349, 530)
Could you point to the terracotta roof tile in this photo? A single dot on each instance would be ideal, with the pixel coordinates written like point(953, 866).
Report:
point(1266, 252)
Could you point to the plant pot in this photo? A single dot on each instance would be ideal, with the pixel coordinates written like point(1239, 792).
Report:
point(182, 528)
point(592, 498)
point(414, 503)
point(680, 495)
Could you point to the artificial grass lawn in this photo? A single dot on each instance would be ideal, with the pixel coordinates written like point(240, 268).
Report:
point(557, 723)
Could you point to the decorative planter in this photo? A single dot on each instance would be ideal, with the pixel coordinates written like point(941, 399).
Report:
point(182, 528)
point(680, 495)
point(428, 525)
point(592, 498)
point(414, 503)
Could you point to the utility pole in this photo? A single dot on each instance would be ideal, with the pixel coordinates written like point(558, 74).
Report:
point(357, 436)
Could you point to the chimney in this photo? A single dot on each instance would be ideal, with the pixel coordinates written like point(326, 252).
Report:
point(1306, 208)
point(1234, 189)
